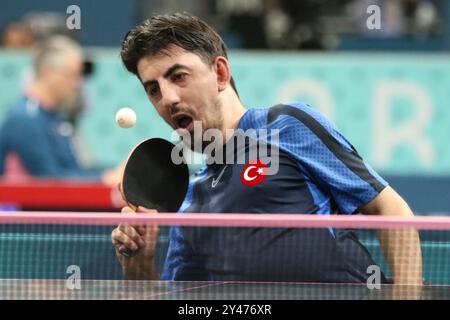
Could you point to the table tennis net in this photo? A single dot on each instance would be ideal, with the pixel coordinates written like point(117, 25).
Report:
point(68, 255)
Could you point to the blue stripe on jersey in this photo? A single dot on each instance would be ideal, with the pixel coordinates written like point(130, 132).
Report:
point(331, 162)
point(326, 131)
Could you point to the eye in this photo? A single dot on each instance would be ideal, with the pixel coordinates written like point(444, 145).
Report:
point(153, 90)
point(179, 77)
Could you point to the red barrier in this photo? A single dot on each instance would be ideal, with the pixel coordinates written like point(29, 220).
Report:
point(36, 194)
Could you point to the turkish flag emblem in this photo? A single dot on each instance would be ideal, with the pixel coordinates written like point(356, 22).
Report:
point(254, 173)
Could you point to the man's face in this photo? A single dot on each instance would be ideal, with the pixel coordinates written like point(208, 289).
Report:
point(64, 80)
point(183, 89)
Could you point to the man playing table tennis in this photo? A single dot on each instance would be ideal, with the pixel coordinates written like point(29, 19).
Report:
point(182, 64)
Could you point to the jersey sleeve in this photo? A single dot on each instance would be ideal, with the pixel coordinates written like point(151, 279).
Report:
point(327, 158)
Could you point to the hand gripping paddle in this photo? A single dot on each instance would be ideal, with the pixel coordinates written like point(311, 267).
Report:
point(150, 178)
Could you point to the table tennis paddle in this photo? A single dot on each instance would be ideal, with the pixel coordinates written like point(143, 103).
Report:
point(150, 178)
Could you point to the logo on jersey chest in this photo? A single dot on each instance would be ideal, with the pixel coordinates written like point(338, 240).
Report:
point(215, 181)
point(254, 173)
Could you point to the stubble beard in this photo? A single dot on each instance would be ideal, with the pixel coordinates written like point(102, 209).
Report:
point(214, 118)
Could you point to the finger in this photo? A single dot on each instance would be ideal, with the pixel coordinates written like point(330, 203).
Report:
point(122, 240)
point(147, 228)
point(151, 235)
point(142, 230)
point(139, 228)
point(125, 252)
point(127, 209)
point(146, 210)
point(131, 233)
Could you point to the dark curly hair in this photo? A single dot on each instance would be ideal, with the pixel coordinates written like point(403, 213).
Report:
point(181, 29)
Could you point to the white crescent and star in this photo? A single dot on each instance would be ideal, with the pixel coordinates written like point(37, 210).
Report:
point(246, 177)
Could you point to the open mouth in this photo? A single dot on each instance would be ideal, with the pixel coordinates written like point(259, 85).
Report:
point(183, 122)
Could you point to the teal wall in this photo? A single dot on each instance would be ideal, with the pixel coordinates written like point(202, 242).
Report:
point(393, 107)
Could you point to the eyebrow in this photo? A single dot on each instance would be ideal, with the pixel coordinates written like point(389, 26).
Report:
point(171, 70)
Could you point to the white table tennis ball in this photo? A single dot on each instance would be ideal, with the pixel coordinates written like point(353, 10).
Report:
point(126, 117)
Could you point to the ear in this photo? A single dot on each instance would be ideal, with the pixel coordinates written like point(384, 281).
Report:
point(223, 73)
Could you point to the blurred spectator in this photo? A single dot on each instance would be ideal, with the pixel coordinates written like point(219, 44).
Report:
point(34, 27)
point(423, 16)
point(71, 109)
point(245, 22)
point(273, 24)
point(317, 24)
point(305, 30)
point(393, 23)
point(398, 17)
point(36, 130)
point(17, 36)
point(41, 26)
point(277, 23)
point(45, 24)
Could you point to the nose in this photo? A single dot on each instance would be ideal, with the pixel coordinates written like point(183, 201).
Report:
point(170, 96)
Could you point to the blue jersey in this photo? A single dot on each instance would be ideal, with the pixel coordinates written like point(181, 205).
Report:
point(319, 172)
point(43, 142)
